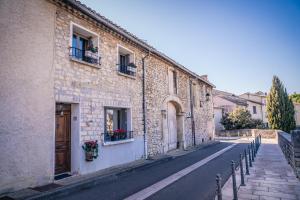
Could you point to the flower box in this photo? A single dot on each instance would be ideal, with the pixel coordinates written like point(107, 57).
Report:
point(90, 54)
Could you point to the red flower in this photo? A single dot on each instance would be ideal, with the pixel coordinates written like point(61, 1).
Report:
point(119, 131)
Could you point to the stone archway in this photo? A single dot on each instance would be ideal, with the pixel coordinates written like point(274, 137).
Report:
point(172, 124)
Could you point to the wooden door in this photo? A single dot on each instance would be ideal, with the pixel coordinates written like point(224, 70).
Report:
point(172, 126)
point(63, 141)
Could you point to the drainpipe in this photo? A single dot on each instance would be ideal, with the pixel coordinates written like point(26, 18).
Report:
point(144, 106)
point(192, 113)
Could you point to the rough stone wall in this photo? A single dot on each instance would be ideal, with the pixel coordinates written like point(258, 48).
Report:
point(157, 91)
point(95, 88)
point(265, 133)
point(290, 146)
point(27, 100)
point(203, 114)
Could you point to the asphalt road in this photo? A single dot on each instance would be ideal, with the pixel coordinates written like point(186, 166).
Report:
point(199, 184)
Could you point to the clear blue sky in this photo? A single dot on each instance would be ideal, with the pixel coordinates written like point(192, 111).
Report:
point(240, 44)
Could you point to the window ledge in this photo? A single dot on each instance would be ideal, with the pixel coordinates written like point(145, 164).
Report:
point(85, 63)
point(118, 142)
point(126, 75)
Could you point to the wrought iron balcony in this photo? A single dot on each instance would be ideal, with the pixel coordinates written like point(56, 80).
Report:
point(88, 56)
point(129, 69)
point(117, 135)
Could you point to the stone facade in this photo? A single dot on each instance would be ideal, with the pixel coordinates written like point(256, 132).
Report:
point(98, 88)
point(258, 100)
point(297, 114)
point(52, 77)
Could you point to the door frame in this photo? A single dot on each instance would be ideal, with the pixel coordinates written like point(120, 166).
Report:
point(57, 110)
point(180, 113)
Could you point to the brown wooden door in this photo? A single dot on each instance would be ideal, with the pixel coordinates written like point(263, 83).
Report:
point(63, 141)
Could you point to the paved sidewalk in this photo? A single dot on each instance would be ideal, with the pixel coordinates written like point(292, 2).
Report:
point(271, 177)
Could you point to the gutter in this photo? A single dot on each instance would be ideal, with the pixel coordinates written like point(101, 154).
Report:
point(89, 12)
point(192, 113)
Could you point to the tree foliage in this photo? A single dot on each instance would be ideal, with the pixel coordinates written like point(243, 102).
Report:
point(280, 108)
point(240, 118)
point(295, 97)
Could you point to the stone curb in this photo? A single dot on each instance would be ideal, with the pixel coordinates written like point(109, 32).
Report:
point(85, 184)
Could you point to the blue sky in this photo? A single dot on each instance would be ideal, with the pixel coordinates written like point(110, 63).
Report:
point(240, 44)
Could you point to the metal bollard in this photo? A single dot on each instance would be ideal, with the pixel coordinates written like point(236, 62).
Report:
point(250, 157)
point(219, 188)
point(246, 162)
point(255, 149)
point(260, 139)
point(234, 188)
point(242, 171)
point(252, 152)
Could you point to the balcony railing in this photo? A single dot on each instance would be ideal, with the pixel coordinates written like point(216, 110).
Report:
point(85, 55)
point(129, 69)
point(117, 136)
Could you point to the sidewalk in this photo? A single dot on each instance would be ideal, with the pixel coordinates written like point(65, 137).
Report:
point(74, 183)
point(271, 177)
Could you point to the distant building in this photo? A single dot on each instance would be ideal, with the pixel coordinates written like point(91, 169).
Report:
point(225, 102)
point(297, 113)
point(256, 105)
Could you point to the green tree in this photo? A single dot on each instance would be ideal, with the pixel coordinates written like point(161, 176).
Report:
point(295, 97)
point(240, 118)
point(280, 109)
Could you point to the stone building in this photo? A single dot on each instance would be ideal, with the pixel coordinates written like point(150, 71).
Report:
point(74, 76)
point(297, 114)
point(225, 102)
point(257, 105)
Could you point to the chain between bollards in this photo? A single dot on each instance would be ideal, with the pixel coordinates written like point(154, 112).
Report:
point(234, 188)
point(219, 188)
point(242, 171)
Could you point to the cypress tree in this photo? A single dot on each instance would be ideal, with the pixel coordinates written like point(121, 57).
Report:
point(280, 108)
point(275, 104)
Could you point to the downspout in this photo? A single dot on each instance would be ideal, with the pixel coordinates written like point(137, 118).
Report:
point(144, 106)
point(192, 113)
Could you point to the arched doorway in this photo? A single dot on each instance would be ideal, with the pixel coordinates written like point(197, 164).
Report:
point(172, 127)
point(173, 124)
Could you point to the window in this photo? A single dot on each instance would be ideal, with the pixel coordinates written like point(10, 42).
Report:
point(194, 94)
point(126, 61)
point(84, 45)
point(254, 109)
point(79, 44)
point(116, 124)
point(175, 82)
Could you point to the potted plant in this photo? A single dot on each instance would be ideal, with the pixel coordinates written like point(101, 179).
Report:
point(120, 133)
point(91, 52)
point(91, 150)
